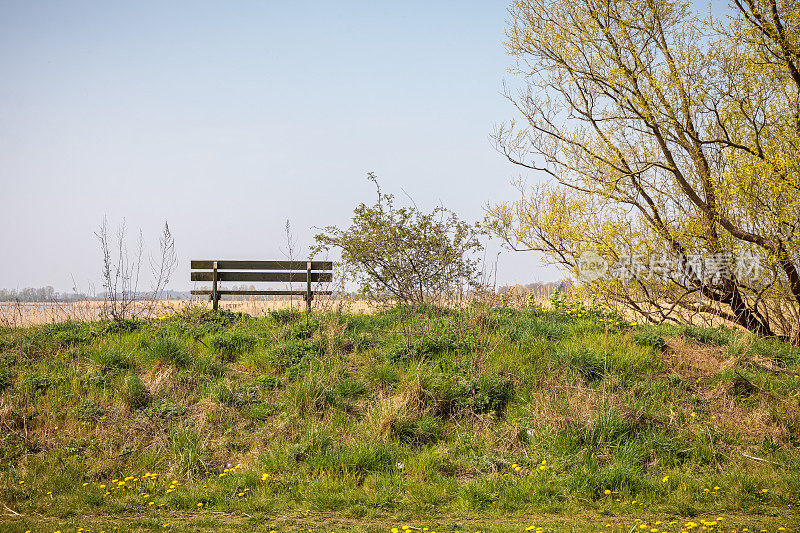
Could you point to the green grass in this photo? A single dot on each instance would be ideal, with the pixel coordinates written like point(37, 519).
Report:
point(571, 419)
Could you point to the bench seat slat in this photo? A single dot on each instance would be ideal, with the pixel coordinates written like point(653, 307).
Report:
point(261, 265)
point(259, 293)
point(299, 277)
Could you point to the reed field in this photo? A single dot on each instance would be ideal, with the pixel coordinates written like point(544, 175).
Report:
point(24, 314)
point(481, 418)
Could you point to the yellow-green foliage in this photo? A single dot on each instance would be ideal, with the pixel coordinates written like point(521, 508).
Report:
point(663, 131)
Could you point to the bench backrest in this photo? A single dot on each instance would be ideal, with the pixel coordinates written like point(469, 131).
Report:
point(306, 272)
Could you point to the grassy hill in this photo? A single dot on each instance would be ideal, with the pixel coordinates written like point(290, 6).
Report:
point(478, 420)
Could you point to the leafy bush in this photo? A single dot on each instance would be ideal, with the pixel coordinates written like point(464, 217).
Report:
point(403, 253)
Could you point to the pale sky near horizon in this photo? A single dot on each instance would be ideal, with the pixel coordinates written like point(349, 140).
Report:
point(228, 118)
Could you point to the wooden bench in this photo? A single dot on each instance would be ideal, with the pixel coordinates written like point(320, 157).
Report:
point(306, 272)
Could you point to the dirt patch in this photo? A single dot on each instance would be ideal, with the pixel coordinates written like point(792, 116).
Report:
point(693, 360)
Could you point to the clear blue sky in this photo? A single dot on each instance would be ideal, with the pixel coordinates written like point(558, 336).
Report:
point(227, 118)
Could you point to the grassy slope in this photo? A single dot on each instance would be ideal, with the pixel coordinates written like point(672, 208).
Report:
point(488, 419)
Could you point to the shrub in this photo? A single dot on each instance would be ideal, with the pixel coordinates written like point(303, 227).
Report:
point(403, 253)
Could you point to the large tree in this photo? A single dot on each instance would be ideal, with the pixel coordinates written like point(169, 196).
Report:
point(662, 134)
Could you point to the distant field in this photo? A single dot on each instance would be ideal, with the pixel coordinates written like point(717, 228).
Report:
point(23, 314)
point(478, 419)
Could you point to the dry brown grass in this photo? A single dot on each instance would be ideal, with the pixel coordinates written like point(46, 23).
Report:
point(24, 314)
